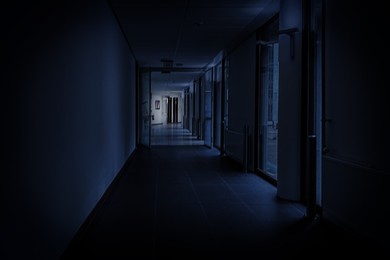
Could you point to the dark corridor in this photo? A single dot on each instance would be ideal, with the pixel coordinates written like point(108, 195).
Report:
point(85, 86)
point(188, 202)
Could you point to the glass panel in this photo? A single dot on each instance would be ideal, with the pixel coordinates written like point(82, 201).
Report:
point(196, 110)
point(217, 105)
point(144, 117)
point(226, 94)
point(270, 94)
point(208, 108)
point(317, 29)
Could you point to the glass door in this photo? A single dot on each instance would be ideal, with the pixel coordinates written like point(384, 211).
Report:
point(268, 99)
point(317, 32)
point(314, 108)
point(270, 83)
point(225, 101)
point(208, 112)
point(217, 105)
point(145, 108)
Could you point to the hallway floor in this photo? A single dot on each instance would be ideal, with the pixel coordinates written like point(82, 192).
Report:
point(173, 134)
point(187, 202)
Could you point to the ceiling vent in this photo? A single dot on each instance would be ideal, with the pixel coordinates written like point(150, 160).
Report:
point(167, 65)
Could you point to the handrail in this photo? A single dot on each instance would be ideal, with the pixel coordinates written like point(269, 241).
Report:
point(245, 135)
point(233, 131)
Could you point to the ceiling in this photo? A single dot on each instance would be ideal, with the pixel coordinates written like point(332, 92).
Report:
point(186, 34)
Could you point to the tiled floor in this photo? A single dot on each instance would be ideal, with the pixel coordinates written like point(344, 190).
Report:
point(188, 202)
point(173, 134)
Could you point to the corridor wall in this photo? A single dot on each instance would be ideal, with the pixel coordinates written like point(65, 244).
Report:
point(68, 111)
point(356, 170)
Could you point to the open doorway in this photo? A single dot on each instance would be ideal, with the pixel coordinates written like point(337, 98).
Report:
point(170, 103)
point(173, 110)
point(268, 99)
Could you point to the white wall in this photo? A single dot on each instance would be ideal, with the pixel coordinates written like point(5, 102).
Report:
point(69, 111)
point(159, 117)
point(157, 113)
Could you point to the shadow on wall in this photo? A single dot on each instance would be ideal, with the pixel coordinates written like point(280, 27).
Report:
point(70, 125)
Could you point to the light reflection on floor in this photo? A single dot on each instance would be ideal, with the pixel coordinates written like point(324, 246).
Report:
point(173, 134)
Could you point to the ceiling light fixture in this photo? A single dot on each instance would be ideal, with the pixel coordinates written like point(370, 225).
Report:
point(167, 63)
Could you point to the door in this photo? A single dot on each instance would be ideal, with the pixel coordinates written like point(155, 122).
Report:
point(317, 33)
point(164, 110)
point(217, 105)
point(268, 100)
point(173, 110)
point(208, 111)
point(314, 111)
point(144, 117)
point(270, 83)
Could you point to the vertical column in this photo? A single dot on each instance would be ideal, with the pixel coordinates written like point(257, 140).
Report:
point(290, 87)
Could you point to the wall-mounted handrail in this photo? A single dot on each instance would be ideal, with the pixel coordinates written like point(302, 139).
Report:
point(244, 134)
point(233, 131)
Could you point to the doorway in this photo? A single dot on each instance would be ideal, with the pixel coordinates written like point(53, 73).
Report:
point(173, 110)
point(144, 108)
point(268, 99)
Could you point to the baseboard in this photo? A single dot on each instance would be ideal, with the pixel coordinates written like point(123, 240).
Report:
point(267, 177)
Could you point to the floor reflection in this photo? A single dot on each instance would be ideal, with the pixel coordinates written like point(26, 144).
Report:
point(173, 134)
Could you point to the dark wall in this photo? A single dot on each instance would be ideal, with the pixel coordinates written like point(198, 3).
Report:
point(290, 96)
point(241, 84)
point(68, 111)
point(356, 171)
